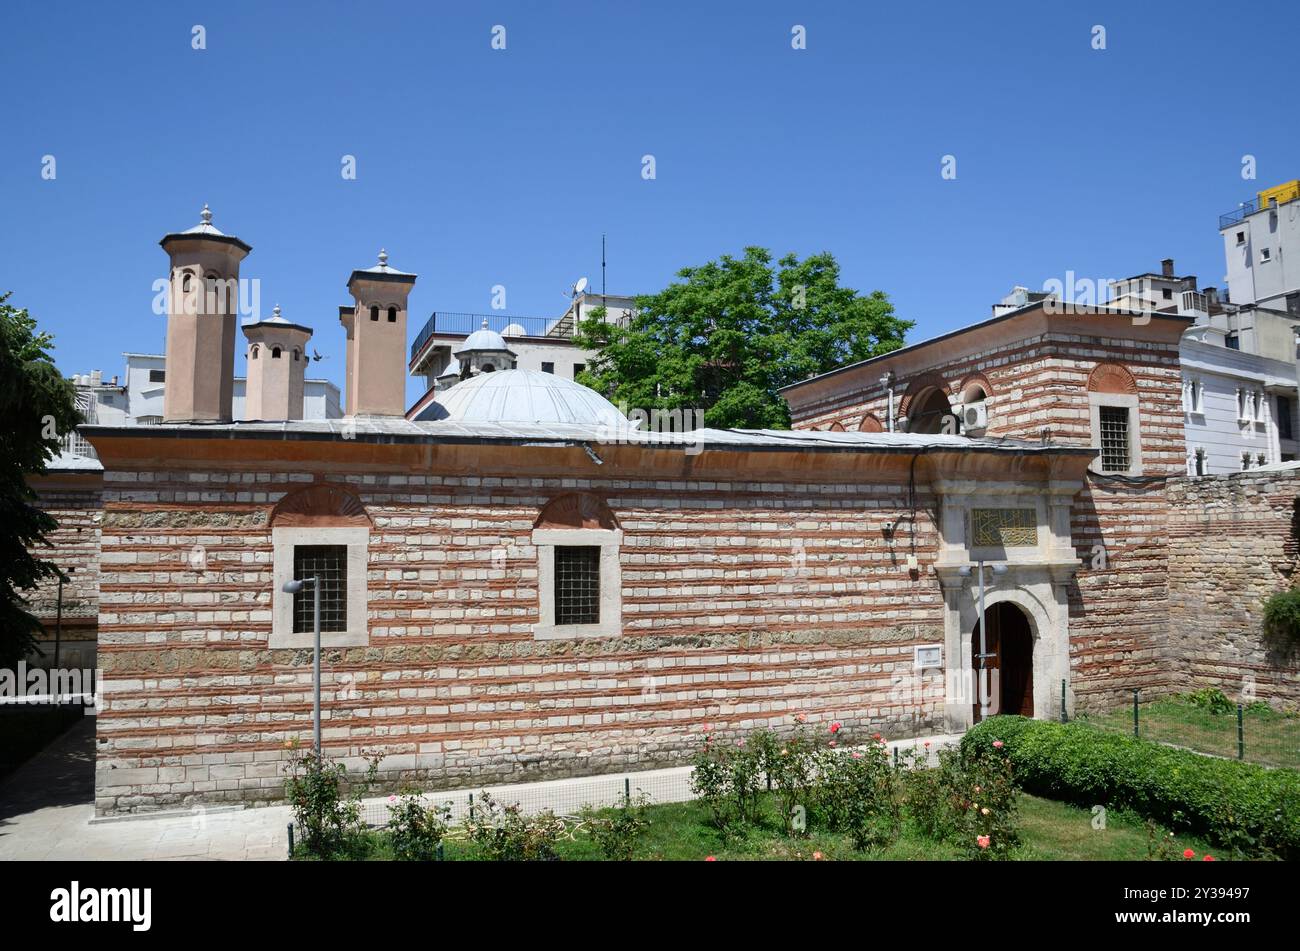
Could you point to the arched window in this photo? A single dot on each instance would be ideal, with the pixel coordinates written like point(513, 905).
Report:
point(374, 311)
point(216, 294)
point(392, 315)
point(275, 353)
point(1115, 418)
point(295, 354)
point(579, 573)
point(928, 412)
point(321, 531)
point(186, 278)
point(253, 353)
point(489, 368)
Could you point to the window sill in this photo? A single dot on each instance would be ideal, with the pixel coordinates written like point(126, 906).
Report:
point(328, 640)
point(575, 632)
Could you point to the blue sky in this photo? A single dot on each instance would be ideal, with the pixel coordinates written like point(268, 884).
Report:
point(478, 167)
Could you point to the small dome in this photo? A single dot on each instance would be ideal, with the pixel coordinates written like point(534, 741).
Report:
point(523, 396)
point(483, 339)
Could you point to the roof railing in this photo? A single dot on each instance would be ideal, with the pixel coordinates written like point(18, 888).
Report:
point(459, 324)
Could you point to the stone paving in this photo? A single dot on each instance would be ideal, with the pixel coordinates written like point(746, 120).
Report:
point(47, 810)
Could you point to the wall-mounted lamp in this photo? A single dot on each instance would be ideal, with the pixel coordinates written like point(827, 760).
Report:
point(591, 454)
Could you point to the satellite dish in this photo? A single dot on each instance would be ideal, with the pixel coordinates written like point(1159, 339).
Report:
point(580, 286)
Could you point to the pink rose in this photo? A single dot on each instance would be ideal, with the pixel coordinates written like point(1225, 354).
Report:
point(982, 841)
point(997, 744)
point(817, 856)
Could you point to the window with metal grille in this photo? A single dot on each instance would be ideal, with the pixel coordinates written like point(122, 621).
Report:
point(577, 584)
point(1114, 439)
point(329, 563)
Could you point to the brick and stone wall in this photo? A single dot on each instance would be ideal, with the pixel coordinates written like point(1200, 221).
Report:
point(1119, 616)
point(1037, 374)
point(743, 602)
point(1232, 544)
point(75, 501)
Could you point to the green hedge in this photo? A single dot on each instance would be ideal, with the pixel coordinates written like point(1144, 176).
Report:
point(1239, 805)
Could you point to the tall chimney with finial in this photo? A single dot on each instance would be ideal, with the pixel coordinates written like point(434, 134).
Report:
point(202, 321)
point(376, 348)
point(277, 367)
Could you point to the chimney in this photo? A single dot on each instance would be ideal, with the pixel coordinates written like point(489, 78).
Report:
point(277, 367)
point(202, 308)
point(376, 350)
point(1167, 267)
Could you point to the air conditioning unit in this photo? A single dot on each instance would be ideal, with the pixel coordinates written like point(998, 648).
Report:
point(974, 418)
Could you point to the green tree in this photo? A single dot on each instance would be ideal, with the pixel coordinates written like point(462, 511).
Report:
point(732, 332)
point(37, 405)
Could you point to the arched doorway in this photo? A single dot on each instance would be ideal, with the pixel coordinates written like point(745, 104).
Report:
point(1010, 643)
point(927, 413)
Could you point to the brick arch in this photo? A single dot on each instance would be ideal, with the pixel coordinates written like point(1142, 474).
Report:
point(322, 504)
point(871, 424)
point(1111, 378)
point(918, 386)
point(976, 379)
point(835, 427)
point(576, 510)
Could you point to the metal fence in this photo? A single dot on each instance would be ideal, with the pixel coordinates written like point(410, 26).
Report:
point(1251, 732)
point(464, 324)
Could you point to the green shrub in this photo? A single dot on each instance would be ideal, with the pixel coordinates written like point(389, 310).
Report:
point(327, 820)
point(930, 792)
point(616, 832)
point(988, 816)
point(728, 778)
point(969, 799)
point(790, 763)
point(503, 833)
point(1250, 809)
point(1282, 624)
point(857, 791)
point(415, 828)
point(1210, 699)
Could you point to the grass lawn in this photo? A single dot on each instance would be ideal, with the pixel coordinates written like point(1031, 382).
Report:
point(1051, 831)
point(1272, 739)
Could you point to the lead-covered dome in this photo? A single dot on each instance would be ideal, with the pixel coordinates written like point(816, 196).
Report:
point(483, 339)
point(523, 396)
